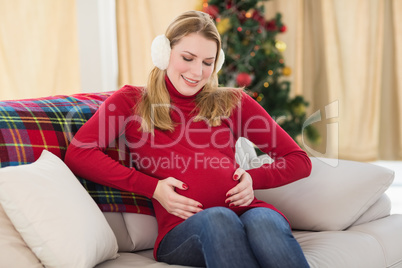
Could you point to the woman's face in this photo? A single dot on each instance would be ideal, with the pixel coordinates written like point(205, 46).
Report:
point(191, 63)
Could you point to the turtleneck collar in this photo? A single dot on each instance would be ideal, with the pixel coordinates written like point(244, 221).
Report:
point(175, 95)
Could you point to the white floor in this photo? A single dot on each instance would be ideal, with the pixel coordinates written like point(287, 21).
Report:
point(395, 191)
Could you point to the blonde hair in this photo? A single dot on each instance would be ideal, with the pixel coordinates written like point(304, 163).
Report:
point(213, 102)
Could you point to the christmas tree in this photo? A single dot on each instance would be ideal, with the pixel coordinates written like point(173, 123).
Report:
point(254, 60)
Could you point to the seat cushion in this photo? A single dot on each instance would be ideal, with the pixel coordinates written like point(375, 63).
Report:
point(370, 245)
point(344, 249)
point(388, 234)
point(141, 259)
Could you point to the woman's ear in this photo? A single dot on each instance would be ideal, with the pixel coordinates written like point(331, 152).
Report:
point(160, 52)
point(220, 61)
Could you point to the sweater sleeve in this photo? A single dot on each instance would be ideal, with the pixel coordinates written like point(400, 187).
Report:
point(86, 155)
point(291, 163)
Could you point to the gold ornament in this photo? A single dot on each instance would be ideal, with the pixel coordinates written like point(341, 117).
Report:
point(280, 45)
point(249, 13)
point(267, 48)
point(286, 71)
point(299, 109)
point(223, 25)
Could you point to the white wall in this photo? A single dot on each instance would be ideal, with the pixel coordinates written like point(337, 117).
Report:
point(97, 40)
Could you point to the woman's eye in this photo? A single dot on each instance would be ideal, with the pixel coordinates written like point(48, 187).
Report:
point(208, 63)
point(187, 59)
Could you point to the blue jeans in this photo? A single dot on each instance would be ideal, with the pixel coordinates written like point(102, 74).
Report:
point(217, 237)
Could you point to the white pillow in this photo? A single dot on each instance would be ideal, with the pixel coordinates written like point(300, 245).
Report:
point(54, 214)
point(14, 252)
point(331, 198)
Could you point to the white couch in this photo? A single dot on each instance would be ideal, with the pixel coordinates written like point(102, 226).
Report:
point(339, 214)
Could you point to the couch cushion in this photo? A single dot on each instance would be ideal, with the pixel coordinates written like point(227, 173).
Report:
point(341, 249)
point(388, 234)
point(29, 126)
point(133, 231)
point(55, 215)
point(130, 260)
point(331, 198)
point(374, 244)
point(14, 252)
point(116, 222)
point(143, 230)
point(380, 209)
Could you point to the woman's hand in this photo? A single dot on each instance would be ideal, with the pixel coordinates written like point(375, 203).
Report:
point(173, 202)
point(243, 193)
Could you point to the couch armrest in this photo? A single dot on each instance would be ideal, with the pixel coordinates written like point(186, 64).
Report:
point(333, 197)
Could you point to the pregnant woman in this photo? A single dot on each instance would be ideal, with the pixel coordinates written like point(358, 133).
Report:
point(181, 129)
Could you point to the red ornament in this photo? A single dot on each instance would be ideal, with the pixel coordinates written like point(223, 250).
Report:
point(256, 14)
point(242, 16)
point(243, 79)
point(257, 17)
point(212, 10)
point(271, 26)
point(283, 29)
point(229, 4)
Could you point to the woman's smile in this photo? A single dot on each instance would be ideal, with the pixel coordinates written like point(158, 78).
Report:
point(190, 81)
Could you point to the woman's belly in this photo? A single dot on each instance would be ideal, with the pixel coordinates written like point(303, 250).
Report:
point(209, 187)
point(207, 173)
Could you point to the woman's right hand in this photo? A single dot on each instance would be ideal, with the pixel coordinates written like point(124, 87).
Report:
point(173, 202)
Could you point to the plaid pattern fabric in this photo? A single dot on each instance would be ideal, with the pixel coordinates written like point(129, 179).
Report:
point(29, 126)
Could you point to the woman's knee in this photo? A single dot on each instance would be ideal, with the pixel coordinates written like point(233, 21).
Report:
point(270, 219)
point(219, 215)
point(218, 219)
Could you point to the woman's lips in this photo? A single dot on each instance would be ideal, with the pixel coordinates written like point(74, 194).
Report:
point(189, 81)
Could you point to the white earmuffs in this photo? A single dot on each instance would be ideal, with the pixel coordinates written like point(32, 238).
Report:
point(221, 60)
point(160, 53)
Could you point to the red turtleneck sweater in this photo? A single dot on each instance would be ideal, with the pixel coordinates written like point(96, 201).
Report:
point(201, 156)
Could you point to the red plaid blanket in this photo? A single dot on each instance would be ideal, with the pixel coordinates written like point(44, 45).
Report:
point(29, 126)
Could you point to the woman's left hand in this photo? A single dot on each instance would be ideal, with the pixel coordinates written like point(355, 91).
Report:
point(243, 193)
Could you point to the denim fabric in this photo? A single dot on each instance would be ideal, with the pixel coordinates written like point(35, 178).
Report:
point(217, 237)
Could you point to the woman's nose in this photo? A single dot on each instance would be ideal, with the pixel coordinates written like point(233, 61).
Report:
point(196, 69)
